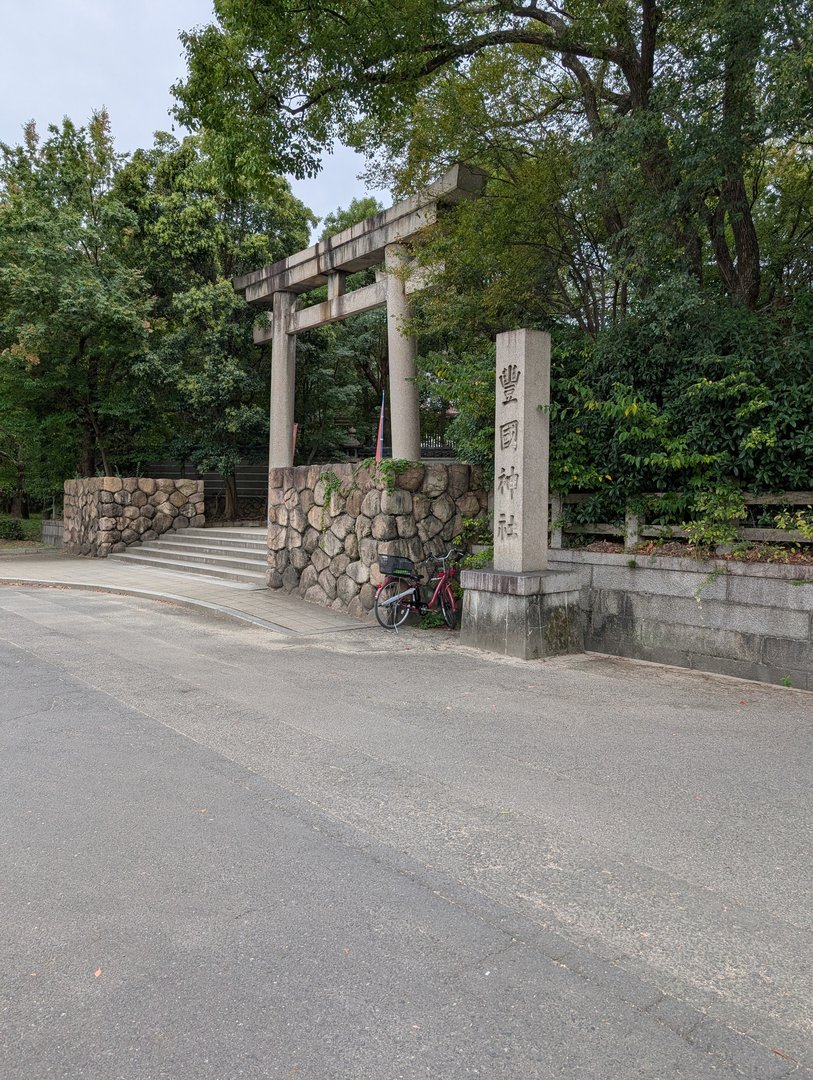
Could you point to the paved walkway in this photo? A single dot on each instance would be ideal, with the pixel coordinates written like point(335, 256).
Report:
point(268, 608)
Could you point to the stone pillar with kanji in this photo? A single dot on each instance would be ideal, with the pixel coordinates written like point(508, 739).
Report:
point(520, 607)
point(521, 442)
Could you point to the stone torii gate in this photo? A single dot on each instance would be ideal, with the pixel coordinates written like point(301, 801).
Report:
point(379, 239)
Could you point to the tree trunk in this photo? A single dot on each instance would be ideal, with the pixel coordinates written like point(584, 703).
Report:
point(231, 511)
point(87, 452)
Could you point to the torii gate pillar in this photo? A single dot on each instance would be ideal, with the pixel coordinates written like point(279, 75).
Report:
point(405, 411)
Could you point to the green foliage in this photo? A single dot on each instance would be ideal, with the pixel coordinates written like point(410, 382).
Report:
point(11, 529)
point(478, 560)
point(800, 521)
point(73, 308)
point(718, 513)
point(387, 470)
point(476, 530)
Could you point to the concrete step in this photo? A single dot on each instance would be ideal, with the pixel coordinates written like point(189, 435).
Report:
point(179, 545)
point(257, 534)
point(224, 543)
point(222, 569)
point(167, 554)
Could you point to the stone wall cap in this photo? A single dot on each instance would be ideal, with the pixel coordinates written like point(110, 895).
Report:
point(684, 564)
point(531, 583)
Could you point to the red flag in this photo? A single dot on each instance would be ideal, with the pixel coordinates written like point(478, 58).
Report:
point(379, 445)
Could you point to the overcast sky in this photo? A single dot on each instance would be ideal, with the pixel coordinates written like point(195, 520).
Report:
point(67, 57)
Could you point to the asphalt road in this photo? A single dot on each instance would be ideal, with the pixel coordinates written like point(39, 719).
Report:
point(231, 854)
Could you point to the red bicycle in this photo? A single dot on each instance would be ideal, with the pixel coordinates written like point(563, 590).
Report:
point(401, 591)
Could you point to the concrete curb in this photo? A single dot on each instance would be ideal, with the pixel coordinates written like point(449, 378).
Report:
point(181, 601)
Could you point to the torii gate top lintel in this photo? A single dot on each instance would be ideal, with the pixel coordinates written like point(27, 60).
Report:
point(362, 245)
point(378, 239)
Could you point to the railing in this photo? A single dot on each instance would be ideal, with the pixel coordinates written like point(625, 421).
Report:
point(635, 527)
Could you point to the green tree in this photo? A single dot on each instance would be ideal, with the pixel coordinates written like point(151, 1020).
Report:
point(73, 309)
point(668, 111)
point(193, 234)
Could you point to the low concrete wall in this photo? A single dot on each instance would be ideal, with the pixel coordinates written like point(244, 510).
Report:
point(751, 620)
point(323, 544)
point(105, 514)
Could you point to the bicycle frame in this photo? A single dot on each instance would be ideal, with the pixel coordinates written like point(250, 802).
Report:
point(413, 591)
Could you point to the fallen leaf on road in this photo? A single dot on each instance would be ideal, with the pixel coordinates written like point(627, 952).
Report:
point(97, 972)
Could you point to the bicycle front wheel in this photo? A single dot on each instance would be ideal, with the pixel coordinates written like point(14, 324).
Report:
point(389, 611)
point(449, 608)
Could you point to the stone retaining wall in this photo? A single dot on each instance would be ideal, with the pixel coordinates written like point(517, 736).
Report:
point(105, 514)
point(324, 537)
point(752, 620)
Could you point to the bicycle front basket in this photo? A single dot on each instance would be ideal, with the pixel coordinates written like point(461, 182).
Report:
point(396, 566)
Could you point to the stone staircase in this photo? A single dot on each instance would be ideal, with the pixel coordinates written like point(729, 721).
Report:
point(231, 556)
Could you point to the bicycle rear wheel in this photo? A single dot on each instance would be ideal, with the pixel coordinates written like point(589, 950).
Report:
point(449, 608)
point(392, 613)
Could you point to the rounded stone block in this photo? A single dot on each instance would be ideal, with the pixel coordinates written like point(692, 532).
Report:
point(111, 483)
point(406, 526)
point(347, 589)
point(328, 584)
point(277, 537)
point(384, 527)
point(310, 541)
point(177, 498)
point(364, 527)
point(162, 523)
point(338, 565)
point(315, 516)
point(411, 478)
point(429, 528)
point(469, 505)
point(368, 549)
point(332, 544)
point(290, 579)
point(458, 480)
point(300, 558)
point(421, 506)
point(138, 498)
point(342, 526)
point(128, 536)
point(352, 504)
point(320, 560)
point(443, 508)
point(130, 484)
point(371, 503)
point(435, 480)
point(274, 579)
point(358, 572)
point(147, 485)
point(180, 522)
point(351, 546)
point(316, 595)
point(308, 579)
point(396, 502)
point(297, 520)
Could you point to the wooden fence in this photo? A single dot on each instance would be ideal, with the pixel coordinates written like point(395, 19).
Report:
point(635, 527)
